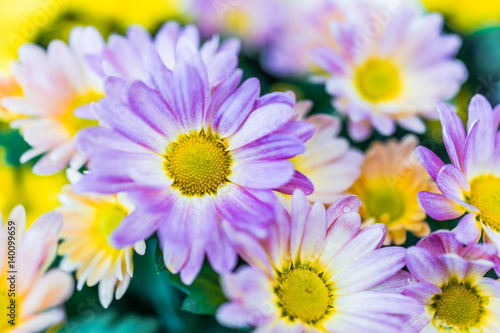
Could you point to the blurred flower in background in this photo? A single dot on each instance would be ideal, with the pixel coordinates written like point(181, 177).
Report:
point(390, 65)
point(390, 180)
point(328, 161)
point(38, 292)
point(86, 246)
point(38, 194)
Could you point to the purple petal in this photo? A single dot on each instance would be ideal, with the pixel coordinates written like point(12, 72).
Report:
point(441, 242)
point(238, 206)
point(423, 292)
point(275, 98)
point(467, 230)
point(158, 76)
point(425, 266)
point(365, 242)
point(452, 182)
point(474, 164)
point(348, 203)
point(396, 284)
point(329, 60)
point(221, 93)
point(369, 301)
point(136, 226)
point(340, 233)
point(300, 211)
point(298, 181)
point(236, 108)
point(453, 133)
point(313, 240)
point(262, 174)
point(193, 264)
point(271, 147)
point(299, 129)
point(220, 253)
point(260, 123)
point(480, 109)
point(438, 206)
point(429, 160)
point(370, 270)
point(191, 89)
point(150, 107)
point(120, 117)
point(454, 265)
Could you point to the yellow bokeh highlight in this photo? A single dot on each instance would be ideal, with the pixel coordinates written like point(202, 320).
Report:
point(466, 15)
point(38, 194)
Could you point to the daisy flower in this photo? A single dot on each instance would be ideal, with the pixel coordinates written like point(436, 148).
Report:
point(450, 283)
point(57, 85)
point(39, 294)
point(391, 178)
point(190, 150)
point(88, 222)
point(315, 273)
point(472, 182)
point(328, 162)
point(390, 70)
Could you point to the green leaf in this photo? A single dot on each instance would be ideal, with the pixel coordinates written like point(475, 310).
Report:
point(204, 295)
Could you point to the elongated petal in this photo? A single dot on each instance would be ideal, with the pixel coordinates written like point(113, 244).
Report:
point(425, 266)
point(429, 160)
point(236, 108)
point(439, 207)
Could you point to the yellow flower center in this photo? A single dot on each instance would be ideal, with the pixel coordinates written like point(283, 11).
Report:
point(485, 195)
point(72, 123)
point(199, 163)
point(303, 295)
point(384, 201)
point(459, 306)
point(377, 80)
point(237, 21)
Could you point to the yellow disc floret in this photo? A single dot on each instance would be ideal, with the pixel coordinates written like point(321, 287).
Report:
point(459, 306)
point(384, 201)
point(377, 80)
point(199, 163)
point(303, 295)
point(485, 195)
point(72, 123)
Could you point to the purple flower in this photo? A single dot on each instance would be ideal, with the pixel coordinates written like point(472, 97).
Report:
point(389, 65)
point(317, 272)
point(472, 182)
point(451, 286)
point(192, 148)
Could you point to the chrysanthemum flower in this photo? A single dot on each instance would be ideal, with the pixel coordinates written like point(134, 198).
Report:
point(88, 222)
point(472, 183)
point(39, 293)
point(391, 178)
point(450, 283)
point(57, 84)
point(328, 162)
point(191, 150)
point(391, 68)
point(315, 274)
